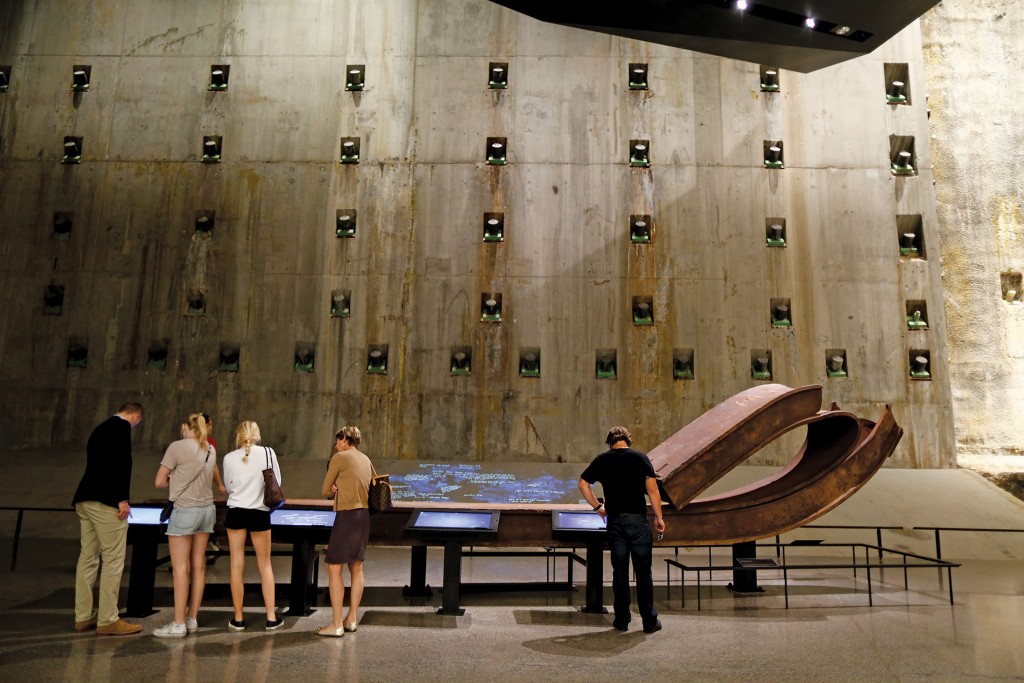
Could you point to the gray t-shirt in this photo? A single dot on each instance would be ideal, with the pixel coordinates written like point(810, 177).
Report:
point(185, 459)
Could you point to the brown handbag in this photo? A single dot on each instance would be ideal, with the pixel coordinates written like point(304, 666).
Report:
point(379, 495)
point(273, 496)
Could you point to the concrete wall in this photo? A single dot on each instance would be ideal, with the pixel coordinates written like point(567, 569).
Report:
point(417, 268)
point(974, 51)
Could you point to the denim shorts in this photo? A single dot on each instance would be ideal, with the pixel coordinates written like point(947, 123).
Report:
point(188, 521)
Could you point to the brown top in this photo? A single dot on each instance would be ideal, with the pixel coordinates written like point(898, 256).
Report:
point(351, 471)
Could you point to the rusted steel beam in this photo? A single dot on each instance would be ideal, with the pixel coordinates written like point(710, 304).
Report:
point(823, 475)
point(698, 455)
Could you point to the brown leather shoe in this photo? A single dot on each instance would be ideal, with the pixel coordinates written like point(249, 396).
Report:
point(83, 626)
point(118, 628)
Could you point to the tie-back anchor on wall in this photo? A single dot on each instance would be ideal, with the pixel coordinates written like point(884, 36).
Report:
point(377, 359)
point(78, 352)
point(917, 314)
point(835, 364)
point(490, 307)
point(497, 75)
point(902, 157)
point(897, 83)
point(204, 224)
point(305, 356)
point(63, 222)
point(910, 233)
point(1011, 285)
point(637, 76)
point(230, 357)
point(494, 227)
point(53, 299)
point(920, 364)
point(349, 150)
point(640, 231)
point(345, 223)
point(606, 364)
point(156, 354)
point(219, 74)
point(341, 303)
point(355, 77)
point(496, 153)
point(212, 146)
point(461, 362)
point(73, 145)
point(775, 232)
point(761, 364)
point(81, 77)
point(529, 361)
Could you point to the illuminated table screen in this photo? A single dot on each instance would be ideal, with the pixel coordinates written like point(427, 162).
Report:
point(569, 520)
point(143, 516)
point(304, 518)
point(454, 521)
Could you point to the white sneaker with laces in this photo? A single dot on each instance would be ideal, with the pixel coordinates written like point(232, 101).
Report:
point(191, 625)
point(171, 630)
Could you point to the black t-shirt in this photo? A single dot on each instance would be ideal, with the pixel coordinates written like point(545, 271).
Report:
point(623, 473)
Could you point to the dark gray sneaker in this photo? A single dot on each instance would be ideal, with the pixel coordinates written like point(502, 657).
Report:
point(275, 624)
point(236, 625)
point(653, 628)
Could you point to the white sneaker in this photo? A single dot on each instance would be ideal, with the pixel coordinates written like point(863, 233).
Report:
point(191, 625)
point(171, 630)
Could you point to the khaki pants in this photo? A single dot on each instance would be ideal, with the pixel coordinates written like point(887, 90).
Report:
point(104, 538)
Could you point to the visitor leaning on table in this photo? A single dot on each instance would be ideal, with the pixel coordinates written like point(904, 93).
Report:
point(189, 469)
point(101, 502)
point(348, 481)
point(247, 515)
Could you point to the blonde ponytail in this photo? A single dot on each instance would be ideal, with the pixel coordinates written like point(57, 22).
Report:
point(197, 425)
point(247, 435)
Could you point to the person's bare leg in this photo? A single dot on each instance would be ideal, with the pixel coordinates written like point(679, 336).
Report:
point(180, 547)
point(236, 543)
point(337, 590)
point(355, 569)
point(261, 544)
point(199, 541)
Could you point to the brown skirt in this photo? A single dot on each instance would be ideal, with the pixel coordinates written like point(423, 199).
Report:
point(349, 536)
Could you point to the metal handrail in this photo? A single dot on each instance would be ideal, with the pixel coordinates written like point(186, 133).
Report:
point(922, 563)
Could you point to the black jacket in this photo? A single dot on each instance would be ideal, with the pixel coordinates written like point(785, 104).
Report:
point(108, 466)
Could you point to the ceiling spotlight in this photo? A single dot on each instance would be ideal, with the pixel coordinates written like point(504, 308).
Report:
point(741, 5)
point(809, 22)
point(842, 30)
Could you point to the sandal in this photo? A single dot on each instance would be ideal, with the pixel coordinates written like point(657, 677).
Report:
point(330, 632)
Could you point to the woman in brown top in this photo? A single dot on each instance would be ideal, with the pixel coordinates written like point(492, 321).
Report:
point(348, 482)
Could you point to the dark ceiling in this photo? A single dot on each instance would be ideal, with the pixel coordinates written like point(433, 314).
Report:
point(771, 32)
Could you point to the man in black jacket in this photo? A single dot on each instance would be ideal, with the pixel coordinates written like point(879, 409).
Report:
point(101, 502)
point(626, 475)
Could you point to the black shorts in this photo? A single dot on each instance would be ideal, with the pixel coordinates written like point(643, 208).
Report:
point(250, 520)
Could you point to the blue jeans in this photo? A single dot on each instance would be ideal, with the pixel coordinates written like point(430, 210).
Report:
point(630, 536)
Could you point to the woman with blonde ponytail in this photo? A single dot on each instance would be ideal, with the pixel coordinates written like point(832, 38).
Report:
point(247, 515)
point(189, 470)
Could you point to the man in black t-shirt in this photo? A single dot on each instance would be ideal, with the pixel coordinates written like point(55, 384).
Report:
point(626, 475)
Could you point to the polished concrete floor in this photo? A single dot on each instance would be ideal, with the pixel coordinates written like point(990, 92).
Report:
point(829, 633)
